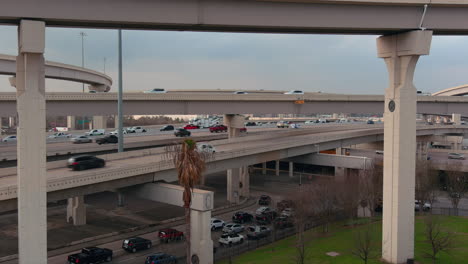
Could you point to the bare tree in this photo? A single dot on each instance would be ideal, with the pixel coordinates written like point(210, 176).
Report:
point(456, 182)
point(324, 201)
point(302, 213)
point(348, 197)
point(438, 240)
point(426, 183)
point(371, 187)
point(364, 244)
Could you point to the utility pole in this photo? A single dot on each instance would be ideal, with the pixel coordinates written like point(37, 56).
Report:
point(119, 104)
point(82, 34)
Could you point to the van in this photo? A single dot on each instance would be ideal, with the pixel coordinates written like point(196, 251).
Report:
point(96, 132)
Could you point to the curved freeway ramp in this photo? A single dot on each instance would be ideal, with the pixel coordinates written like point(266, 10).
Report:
point(453, 91)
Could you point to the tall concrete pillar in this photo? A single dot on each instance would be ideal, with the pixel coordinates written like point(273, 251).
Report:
point(31, 147)
point(401, 53)
point(244, 187)
point(120, 199)
point(234, 123)
point(277, 167)
point(71, 122)
point(264, 167)
point(456, 119)
point(200, 236)
point(291, 169)
point(99, 122)
point(233, 185)
point(76, 211)
point(11, 122)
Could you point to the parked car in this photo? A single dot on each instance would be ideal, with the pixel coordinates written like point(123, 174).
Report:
point(282, 124)
point(9, 139)
point(218, 128)
point(96, 132)
point(205, 147)
point(233, 228)
point(265, 214)
point(295, 92)
point(180, 132)
point(230, 239)
point(116, 132)
point(136, 243)
point(283, 204)
point(107, 139)
point(288, 212)
point(283, 222)
point(191, 126)
point(60, 135)
point(81, 139)
point(417, 206)
point(456, 156)
point(136, 129)
point(257, 232)
point(264, 200)
point(91, 255)
point(242, 217)
point(170, 234)
point(167, 128)
point(84, 162)
point(160, 258)
point(216, 224)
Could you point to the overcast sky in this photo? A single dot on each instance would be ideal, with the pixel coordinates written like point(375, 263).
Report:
point(193, 60)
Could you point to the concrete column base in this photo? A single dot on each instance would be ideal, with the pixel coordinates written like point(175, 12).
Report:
point(277, 168)
point(233, 185)
point(120, 199)
point(76, 211)
point(99, 122)
point(245, 180)
point(291, 169)
point(264, 167)
point(71, 122)
point(200, 236)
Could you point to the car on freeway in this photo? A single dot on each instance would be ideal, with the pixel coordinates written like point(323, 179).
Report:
point(264, 200)
point(240, 92)
point(233, 228)
point(181, 132)
point(116, 132)
point(136, 243)
point(243, 130)
point(160, 258)
point(288, 212)
point(250, 124)
point(282, 124)
point(283, 222)
point(167, 128)
point(309, 122)
point(216, 224)
point(84, 162)
point(230, 239)
point(136, 129)
point(242, 217)
point(156, 90)
point(59, 135)
point(426, 207)
point(169, 234)
point(189, 126)
point(205, 147)
point(370, 122)
point(218, 128)
point(81, 139)
point(108, 140)
point(456, 156)
point(295, 92)
point(9, 139)
point(257, 232)
point(91, 255)
point(379, 152)
point(96, 132)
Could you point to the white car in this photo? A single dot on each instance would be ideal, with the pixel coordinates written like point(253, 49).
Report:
point(81, 139)
point(295, 92)
point(205, 147)
point(60, 135)
point(233, 228)
point(426, 206)
point(263, 209)
point(96, 132)
point(288, 212)
point(136, 129)
point(156, 90)
point(456, 156)
point(116, 132)
point(216, 224)
point(229, 239)
point(9, 139)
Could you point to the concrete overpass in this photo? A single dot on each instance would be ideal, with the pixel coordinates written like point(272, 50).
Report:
point(101, 104)
point(54, 70)
point(453, 91)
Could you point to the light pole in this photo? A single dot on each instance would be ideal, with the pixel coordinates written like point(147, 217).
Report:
point(119, 104)
point(82, 34)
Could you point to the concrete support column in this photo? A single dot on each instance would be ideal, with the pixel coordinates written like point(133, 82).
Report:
point(244, 186)
point(234, 123)
point(71, 122)
point(200, 236)
point(277, 167)
point(120, 199)
point(76, 211)
point(421, 149)
point(99, 122)
point(456, 119)
point(233, 185)
point(11, 122)
point(31, 147)
point(341, 174)
point(401, 53)
point(291, 169)
point(264, 167)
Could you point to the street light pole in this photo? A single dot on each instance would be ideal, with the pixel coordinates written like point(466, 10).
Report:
point(119, 104)
point(82, 34)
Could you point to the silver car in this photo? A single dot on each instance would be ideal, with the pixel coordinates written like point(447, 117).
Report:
point(456, 156)
point(233, 228)
point(81, 139)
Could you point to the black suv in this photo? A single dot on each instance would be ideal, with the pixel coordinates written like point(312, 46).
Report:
point(136, 243)
point(84, 162)
point(264, 200)
point(107, 139)
point(91, 255)
point(167, 128)
point(180, 132)
point(242, 217)
point(283, 222)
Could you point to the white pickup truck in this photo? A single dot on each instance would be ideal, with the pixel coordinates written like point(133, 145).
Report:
point(60, 135)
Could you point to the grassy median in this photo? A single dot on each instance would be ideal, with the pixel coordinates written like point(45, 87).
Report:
point(341, 239)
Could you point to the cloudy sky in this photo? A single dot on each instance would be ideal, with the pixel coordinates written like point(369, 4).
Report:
point(194, 60)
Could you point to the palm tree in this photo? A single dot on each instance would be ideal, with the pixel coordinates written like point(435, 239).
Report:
point(190, 165)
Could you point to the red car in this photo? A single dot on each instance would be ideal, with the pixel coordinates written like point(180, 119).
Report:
point(169, 234)
point(243, 129)
point(191, 127)
point(219, 128)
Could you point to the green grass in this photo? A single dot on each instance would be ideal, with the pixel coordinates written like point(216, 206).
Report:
point(341, 239)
